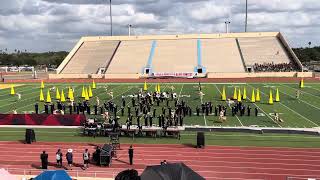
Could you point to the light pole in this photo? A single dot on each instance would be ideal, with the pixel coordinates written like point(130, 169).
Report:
point(246, 20)
point(227, 26)
point(110, 4)
point(129, 29)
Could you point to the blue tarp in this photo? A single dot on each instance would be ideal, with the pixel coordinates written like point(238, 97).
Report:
point(53, 175)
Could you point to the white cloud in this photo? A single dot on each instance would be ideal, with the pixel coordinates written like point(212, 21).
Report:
point(46, 25)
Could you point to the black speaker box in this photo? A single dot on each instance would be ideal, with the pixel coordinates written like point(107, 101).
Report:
point(200, 140)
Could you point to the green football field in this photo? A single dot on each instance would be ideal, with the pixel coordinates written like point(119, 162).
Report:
point(302, 112)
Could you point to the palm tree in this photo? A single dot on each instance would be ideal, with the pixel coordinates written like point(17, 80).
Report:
point(309, 43)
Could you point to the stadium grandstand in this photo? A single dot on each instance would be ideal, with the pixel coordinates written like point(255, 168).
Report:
point(201, 55)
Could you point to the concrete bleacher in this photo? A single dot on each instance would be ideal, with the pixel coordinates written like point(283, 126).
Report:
point(130, 58)
point(221, 55)
point(175, 56)
point(91, 56)
point(263, 50)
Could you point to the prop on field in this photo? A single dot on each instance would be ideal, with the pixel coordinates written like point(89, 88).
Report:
point(235, 96)
point(12, 91)
point(277, 96)
point(176, 171)
point(244, 97)
point(83, 93)
point(159, 89)
point(41, 97)
point(62, 99)
point(53, 175)
point(42, 85)
point(48, 97)
point(258, 95)
point(253, 97)
point(270, 97)
point(70, 94)
point(145, 87)
point(223, 96)
point(94, 85)
point(239, 95)
point(301, 83)
point(156, 88)
point(86, 95)
point(58, 94)
point(90, 92)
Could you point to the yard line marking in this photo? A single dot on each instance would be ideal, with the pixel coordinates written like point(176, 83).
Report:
point(302, 91)
point(228, 104)
point(263, 110)
point(296, 112)
point(300, 100)
point(180, 92)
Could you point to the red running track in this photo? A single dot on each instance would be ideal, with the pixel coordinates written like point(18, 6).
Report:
point(213, 162)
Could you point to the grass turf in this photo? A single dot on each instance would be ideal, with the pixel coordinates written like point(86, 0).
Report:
point(187, 138)
point(303, 112)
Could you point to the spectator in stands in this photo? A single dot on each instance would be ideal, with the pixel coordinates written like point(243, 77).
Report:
point(44, 160)
point(59, 158)
point(86, 158)
point(271, 67)
point(69, 157)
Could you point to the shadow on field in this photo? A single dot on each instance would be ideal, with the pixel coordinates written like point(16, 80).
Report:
point(189, 145)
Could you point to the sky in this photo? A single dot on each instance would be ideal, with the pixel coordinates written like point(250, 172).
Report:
point(55, 25)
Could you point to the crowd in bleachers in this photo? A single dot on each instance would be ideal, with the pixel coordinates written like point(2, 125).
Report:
point(271, 67)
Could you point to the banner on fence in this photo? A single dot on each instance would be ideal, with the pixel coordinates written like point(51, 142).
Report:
point(175, 74)
point(42, 119)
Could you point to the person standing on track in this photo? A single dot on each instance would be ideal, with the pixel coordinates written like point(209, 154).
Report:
point(44, 160)
point(86, 158)
point(69, 157)
point(59, 158)
point(130, 152)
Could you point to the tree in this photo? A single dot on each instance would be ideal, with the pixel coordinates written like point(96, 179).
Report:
point(309, 43)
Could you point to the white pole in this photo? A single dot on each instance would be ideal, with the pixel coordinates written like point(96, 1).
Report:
point(129, 29)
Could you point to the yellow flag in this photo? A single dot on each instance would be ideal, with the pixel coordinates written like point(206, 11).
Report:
point(93, 85)
point(159, 90)
point(58, 94)
point(223, 96)
point(83, 93)
point(90, 92)
point(270, 97)
point(301, 84)
point(42, 85)
point(277, 96)
point(86, 95)
point(244, 93)
point(62, 99)
point(12, 91)
point(48, 97)
point(258, 95)
point(253, 97)
point(235, 96)
point(145, 87)
point(41, 97)
point(239, 95)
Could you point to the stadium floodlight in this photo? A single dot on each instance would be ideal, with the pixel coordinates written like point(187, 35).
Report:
point(246, 20)
point(129, 29)
point(110, 4)
point(227, 23)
